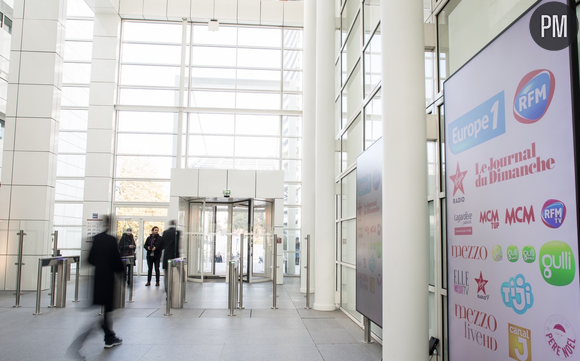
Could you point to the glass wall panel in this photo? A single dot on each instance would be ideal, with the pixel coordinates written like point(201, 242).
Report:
point(69, 165)
point(348, 294)
point(227, 35)
point(293, 38)
point(352, 144)
point(141, 191)
point(292, 194)
point(258, 124)
point(212, 99)
point(348, 14)
point(74, 119)
point(146, 144)
point(72, 142)
point(69, 237)
point(373, 120)
point(152, 32)
point(291, 148)
point(442, 180)
point(292, 59)
point(68, 214)
point(151, 54)
point(257, 147)
point(431, 168)
point(292, 126)
point(292, 81)
point(292, 101)
point(162, 76)
point(349, 241)
point(211, 123)
point(75, 96)
point(352, 95)
point(259, 58)
point(432, 245)
point(292, 170)
point(207, 145)
point(79, 29)
point(258, 79)
point(348, 188)
point(257, 164)
point(69, 190)
point(147, 122)
point(148, 97)
point(76, 73)
point(78, 50)
point(292, 217)
point(429, 77)
point(352, 51)
point(137, 211)
point(217, 163)
point(144, 167)
point(257, 101)
point(373, 64)
point(213, 78)
point(260, 37)
point(210, 56)
point(372, 17)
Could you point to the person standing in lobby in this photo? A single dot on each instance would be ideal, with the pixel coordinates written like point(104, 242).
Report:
point(126, 249)
point(171, 246)
point(153, 246)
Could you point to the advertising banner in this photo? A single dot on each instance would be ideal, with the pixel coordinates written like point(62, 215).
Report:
point(513, 286)
point(369, 249)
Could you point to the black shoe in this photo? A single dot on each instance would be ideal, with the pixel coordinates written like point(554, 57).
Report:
point(115, 341)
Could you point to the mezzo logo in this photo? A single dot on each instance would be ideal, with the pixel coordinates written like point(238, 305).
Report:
point(557, 263)
point(517, 294)
point(520, 215)
point(469, 252)
point(520, 343)
point(533, 96)
point(553, 213)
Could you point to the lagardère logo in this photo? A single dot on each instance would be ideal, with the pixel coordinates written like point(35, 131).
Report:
point(520, 343)
point(533, 96)
point(469, 252)
point(553, 213)
point(483, 321)
point(557, 263)
point(517, 294)
point(560, 336)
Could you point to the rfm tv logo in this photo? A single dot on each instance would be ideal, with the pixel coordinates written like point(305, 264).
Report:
point(554, 25)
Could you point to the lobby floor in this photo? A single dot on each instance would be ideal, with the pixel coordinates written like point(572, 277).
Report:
point(201, 330)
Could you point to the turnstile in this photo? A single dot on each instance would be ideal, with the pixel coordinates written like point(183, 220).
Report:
point(120, 279)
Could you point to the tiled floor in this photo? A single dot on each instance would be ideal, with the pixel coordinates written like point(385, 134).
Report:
point(202, 330)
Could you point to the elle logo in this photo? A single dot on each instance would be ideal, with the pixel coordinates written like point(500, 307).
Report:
point(533, 96)
point(557, 263)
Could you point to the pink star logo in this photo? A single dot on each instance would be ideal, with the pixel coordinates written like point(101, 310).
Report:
point(457, 179)
point(481, 283)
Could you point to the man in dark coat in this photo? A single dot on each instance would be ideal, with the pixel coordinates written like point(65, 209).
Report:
point(170, 246)
point(104, 255)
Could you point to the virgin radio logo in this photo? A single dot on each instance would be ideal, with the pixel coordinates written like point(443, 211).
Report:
point(553, 213)
point(533, 96)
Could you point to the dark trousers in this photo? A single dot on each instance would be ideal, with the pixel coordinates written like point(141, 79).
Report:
point(150, 262)
point(107, 326)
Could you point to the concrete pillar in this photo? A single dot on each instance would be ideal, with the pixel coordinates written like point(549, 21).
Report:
point(405, 242)
point(308, 137)
point(99, 185)
point(323, 241)
point(31, 136)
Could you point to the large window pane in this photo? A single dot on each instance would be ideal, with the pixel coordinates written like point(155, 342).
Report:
point(151, 54)
point(348, 187)
point(78, 50)
point(258, 124)
point(259, 37)
point(209, 56)
point(292, 101)
point(292, 170)
point(152, 32)
point(140, 191)
point(79, 29)
point(211, 123)
point(432, 224)
point(292, 194)
point(257, 101)
point(149, 97)
point(257, 164)
point(352, 95)
point(292, 218)
point(73, 119)
point(349, 241)
point(293, 38)
point(292, 59)
point(207, 145)
point(291, 148)
point(144, 167)
point(146, 144)
point(69, 190)
point(352, 144)
point(292, 81)
point(70, 165)
point(258, 79)
point(259, 58)
point(150, 75)
point(137, 211)
point(373, 64)
point(72, 142)
point(76, 73)
point(69, 237)
point(212, 99)
point(373, 120)
point(75, 96)
point(148, 122)
point(257, 147)
point(227, 35)
point(372, 16)
point(352, 50)
point(68, 214)
point(348, 294)
point(217, 163)
point(213, 78)
point(348, 14)
point(292, 126)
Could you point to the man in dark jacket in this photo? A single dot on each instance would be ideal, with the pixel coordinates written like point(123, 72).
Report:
point(127, 248)
point(170, 246)
point(153, 246)
point(104, 255)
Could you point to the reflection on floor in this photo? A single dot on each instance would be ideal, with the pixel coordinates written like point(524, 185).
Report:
point(202, 330)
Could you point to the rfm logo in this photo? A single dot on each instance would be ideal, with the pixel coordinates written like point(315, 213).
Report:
point(515, 215)
point(553, 213)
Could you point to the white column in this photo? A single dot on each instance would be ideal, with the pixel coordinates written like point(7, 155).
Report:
point(101, 125)
point(31, 137)
point(405, 242)
point(323, 240)
point(308, 138)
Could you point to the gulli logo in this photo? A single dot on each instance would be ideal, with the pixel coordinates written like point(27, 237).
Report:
point(557, 263)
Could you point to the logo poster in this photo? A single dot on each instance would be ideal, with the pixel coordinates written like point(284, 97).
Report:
point(369, 240)
point(511, 204)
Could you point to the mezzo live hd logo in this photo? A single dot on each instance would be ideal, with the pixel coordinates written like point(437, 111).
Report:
point(554, 26)
point(534, 95)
